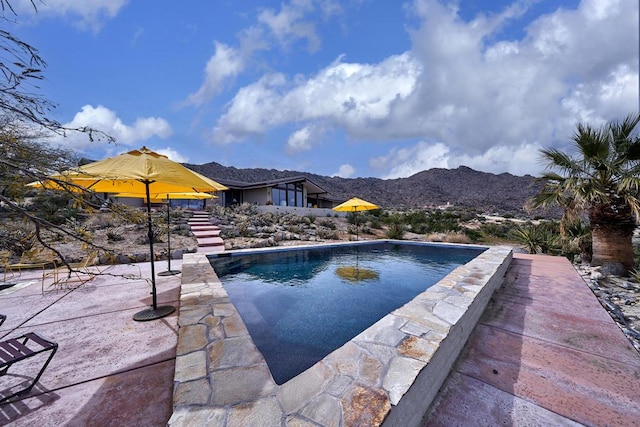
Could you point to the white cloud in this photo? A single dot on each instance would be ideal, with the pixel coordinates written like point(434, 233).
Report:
point(294, 21)
point(105, 120)
point(345, 171)
point(289, 24)
point(299, 141)
point(516, 159)
point(91, 13)
point(352, 96)
point(172, 154)
point(304, 139)
point(404, 162)
point(463, 85)
point(225, 64)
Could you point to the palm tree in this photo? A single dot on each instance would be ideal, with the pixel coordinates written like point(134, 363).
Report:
point(603, 182)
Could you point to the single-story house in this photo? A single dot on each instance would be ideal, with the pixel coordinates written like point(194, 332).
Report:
point(297, 191)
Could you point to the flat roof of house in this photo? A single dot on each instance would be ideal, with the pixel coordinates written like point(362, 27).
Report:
point(238, 185)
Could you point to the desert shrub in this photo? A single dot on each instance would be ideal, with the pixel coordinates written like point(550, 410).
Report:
point(325, 222)
point(157, 235)
point(375, 223)
point(312, 218)
point(290, 218)
point(264, 219)
point(439, 221)
point(114, 235)
point(576, 239)
point(417, 221)
point(537, 239)
point(55, 207)
point(456, 237)
point(395, 231)
point(17, 237)
point(78, 227)
point(100, 220)
point(327, 233)
point(351, 217)
point(352, 229)
point(244, 229)
point(244, 209)
point(293, 228)
point(489, 230)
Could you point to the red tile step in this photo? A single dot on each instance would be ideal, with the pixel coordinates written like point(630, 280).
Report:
point(208, 227)
point(205, 233)
point(210, 241)
point(210, 249)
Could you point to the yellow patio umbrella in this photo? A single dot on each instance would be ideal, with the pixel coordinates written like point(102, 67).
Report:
point(355, 205)
point(140, 172)
point(168, 197)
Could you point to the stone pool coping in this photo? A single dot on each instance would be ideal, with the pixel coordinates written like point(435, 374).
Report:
point(389, 373)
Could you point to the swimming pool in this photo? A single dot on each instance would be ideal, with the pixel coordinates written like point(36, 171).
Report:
point(301, 305)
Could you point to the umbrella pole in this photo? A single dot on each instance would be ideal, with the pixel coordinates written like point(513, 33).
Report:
point(355, 213)
point(169, 271)
point(154, 312)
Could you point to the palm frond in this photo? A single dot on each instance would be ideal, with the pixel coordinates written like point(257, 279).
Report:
point(591, 144)
point(557, 160)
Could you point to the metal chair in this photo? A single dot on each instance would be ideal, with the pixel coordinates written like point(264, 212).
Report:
point(31, 259)
point(76, 272)
point(15, 350)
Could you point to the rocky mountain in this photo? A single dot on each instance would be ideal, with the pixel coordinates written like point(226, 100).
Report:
point(462, 187)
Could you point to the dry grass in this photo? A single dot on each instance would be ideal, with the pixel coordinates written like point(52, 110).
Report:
point(449, 237)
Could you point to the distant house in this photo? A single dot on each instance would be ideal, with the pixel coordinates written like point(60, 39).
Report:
point(297, 191)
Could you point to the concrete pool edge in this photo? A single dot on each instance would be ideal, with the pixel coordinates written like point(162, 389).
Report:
point(389, 373)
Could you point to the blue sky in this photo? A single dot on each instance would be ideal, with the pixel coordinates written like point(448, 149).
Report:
point(362, 88)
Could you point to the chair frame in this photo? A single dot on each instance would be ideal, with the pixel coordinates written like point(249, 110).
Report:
point(15, 350)
point(31, 259)
point(74, 272)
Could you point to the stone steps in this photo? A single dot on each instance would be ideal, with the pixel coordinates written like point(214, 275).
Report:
point(195, 227)
point(206, 233)
point(210, 241)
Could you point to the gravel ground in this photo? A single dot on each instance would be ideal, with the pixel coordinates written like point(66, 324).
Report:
point(620, 296)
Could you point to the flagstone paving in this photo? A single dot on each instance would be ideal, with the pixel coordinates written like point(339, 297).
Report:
point(543, 353)
point(109, 370)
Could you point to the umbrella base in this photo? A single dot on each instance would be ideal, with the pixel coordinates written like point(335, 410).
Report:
point(152, 314)
point(169, 273)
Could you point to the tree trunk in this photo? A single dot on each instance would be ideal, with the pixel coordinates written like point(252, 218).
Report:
point(611, 233)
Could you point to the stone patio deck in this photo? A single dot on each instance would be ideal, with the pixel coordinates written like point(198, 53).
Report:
point(544, 353)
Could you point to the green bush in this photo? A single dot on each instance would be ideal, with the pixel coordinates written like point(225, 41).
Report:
point(396, 231)
point(375, 223)
point(439, 221)
point(55, 207)
point(351, 217)
point(537, 239)
point(473, 234)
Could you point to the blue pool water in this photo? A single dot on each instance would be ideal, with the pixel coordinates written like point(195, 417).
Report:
point(300, 305)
